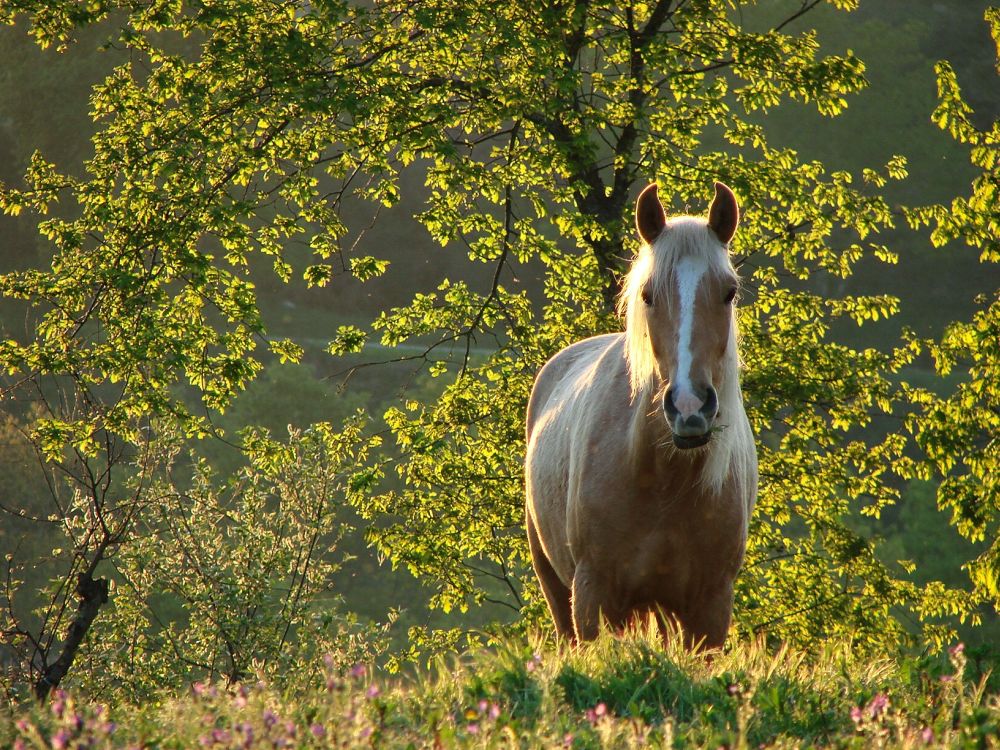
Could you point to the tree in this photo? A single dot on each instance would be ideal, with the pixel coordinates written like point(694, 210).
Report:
point(959, 431)
point(237, 130)
point(133, 305)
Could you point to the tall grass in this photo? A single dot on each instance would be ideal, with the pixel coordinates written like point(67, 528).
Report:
point(628, 692)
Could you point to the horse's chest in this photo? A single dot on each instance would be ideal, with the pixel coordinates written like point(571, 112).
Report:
point(683, 549)
point(659, 554)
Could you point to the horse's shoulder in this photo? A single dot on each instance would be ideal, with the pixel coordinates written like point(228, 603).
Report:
point(571, 360)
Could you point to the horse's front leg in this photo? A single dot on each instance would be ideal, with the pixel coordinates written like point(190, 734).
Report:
point(594, 597)
point(706, 623)
point(556, 594)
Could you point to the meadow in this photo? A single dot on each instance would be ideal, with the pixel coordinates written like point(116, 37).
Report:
point(627, 692)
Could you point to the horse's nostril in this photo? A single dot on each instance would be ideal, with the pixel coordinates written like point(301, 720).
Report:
point(669, 408)
point(711, 405)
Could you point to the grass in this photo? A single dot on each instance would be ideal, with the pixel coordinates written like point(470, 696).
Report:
point(615, 693)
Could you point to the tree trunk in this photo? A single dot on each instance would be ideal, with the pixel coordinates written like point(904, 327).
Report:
point(93, 594)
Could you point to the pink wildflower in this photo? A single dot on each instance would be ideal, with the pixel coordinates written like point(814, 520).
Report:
point(247, 730)
point(220, 736)
point(59, 704)
point(533, 662)
point(242, 694)
point(878, 705)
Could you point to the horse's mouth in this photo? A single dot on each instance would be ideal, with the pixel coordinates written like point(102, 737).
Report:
point(686, 442)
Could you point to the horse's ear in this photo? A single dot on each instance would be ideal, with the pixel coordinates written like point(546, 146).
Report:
point(649, 216)
point(724, 214)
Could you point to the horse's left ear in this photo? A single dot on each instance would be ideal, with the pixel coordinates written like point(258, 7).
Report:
point(649, 216)
point(724, 214)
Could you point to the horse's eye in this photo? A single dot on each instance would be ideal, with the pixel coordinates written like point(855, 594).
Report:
point(646, 298)
point(730, 297)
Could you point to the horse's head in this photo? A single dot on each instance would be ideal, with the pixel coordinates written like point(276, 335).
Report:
point(678, 302)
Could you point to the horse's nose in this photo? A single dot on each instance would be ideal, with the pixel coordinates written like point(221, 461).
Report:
point(695, 415)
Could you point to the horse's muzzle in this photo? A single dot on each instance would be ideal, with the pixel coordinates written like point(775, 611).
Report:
point(694, 430)
point(695, 441)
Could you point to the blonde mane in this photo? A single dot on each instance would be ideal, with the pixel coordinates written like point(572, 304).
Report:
point(654, 268)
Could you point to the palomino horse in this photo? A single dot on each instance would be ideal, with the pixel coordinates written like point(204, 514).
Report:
point(641, 468)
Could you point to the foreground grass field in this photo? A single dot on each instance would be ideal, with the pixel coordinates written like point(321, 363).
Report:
point(626, 693)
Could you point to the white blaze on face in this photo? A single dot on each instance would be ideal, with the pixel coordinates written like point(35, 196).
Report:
point(689, 272)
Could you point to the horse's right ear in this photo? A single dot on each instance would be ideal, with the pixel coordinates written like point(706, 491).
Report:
point(724, 213)
point(649, 216)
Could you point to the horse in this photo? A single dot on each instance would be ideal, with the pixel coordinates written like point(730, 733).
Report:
point(640, 468)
